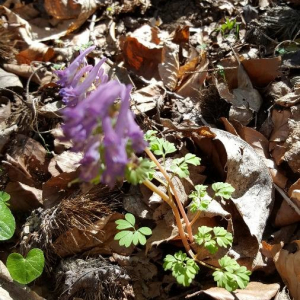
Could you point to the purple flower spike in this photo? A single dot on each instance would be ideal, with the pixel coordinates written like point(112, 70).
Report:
point(66, 76)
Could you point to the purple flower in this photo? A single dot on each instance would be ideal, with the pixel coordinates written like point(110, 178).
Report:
point(90, 163)
point(90, 112)
point(77, 91)
point(67, 75)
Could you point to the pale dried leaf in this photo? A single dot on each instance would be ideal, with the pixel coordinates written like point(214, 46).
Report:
point(9, 80)
point(254, 291)
point(169, 68)
point(288, 266)
point(148, 98)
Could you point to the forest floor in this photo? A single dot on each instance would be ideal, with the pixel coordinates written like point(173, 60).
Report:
point(217, 78)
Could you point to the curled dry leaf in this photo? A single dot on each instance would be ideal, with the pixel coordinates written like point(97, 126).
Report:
point(253, 291)
point(142, 51)
point(287, 265)
point(245, 99)
point(261, 71)
point(169, 68)
point(63, 10)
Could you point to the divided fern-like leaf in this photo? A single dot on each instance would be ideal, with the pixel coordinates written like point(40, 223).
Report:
point(231, 275)
point(184, 269)
point(223, 189)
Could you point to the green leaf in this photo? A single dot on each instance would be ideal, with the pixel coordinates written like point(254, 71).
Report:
point(7, 222)
point(136, 173)
point(223, 237)
point(200, 191)
point(200, 203)
point(130, 218)
point(135, 238)
point(211, 246)
point(223, 189)
point(231, 275)
point(25, 270)
point(180, 168)
point(150, 135)
point(123, 224)
point(183, 268)
point(125, 238)
point(145, 230)
point(169, 147)
point(192, 159)
point(4, 196)
point(142, 239)
point(203, 235)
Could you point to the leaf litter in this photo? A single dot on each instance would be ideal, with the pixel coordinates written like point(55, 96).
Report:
point(185, 59)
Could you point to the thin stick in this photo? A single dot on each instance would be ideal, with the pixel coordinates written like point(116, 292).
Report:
point(180, 206)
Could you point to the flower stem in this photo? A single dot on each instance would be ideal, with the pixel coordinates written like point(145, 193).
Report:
point(167, 199)
point(180, 206)
point(195, 217)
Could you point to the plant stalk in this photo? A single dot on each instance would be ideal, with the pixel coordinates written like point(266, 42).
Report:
point(180, 206)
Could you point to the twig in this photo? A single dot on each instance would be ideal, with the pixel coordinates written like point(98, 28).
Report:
point(287, 199)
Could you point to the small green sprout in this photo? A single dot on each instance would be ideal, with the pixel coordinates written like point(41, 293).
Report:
point(183, 268)
point(133, 236)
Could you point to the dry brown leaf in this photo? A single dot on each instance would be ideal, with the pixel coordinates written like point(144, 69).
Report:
point(63, 10)
point(58, 187)
point(60, 145)
point(261, 146)
point(288, 266)
point(280, 120)
point(96, 239)
point(41, 76)
point(193, 83)
point(261, 71)
point(181, 35)
point(292, 143)
point(36, 52)
point(142, 51)
point(253, 291)
point(5, 135)
point(286, 215)
point(169, 68)
point(148, 98)
point(23, 197)
point(26, 161)
point(66, 162)
point(247, 173)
